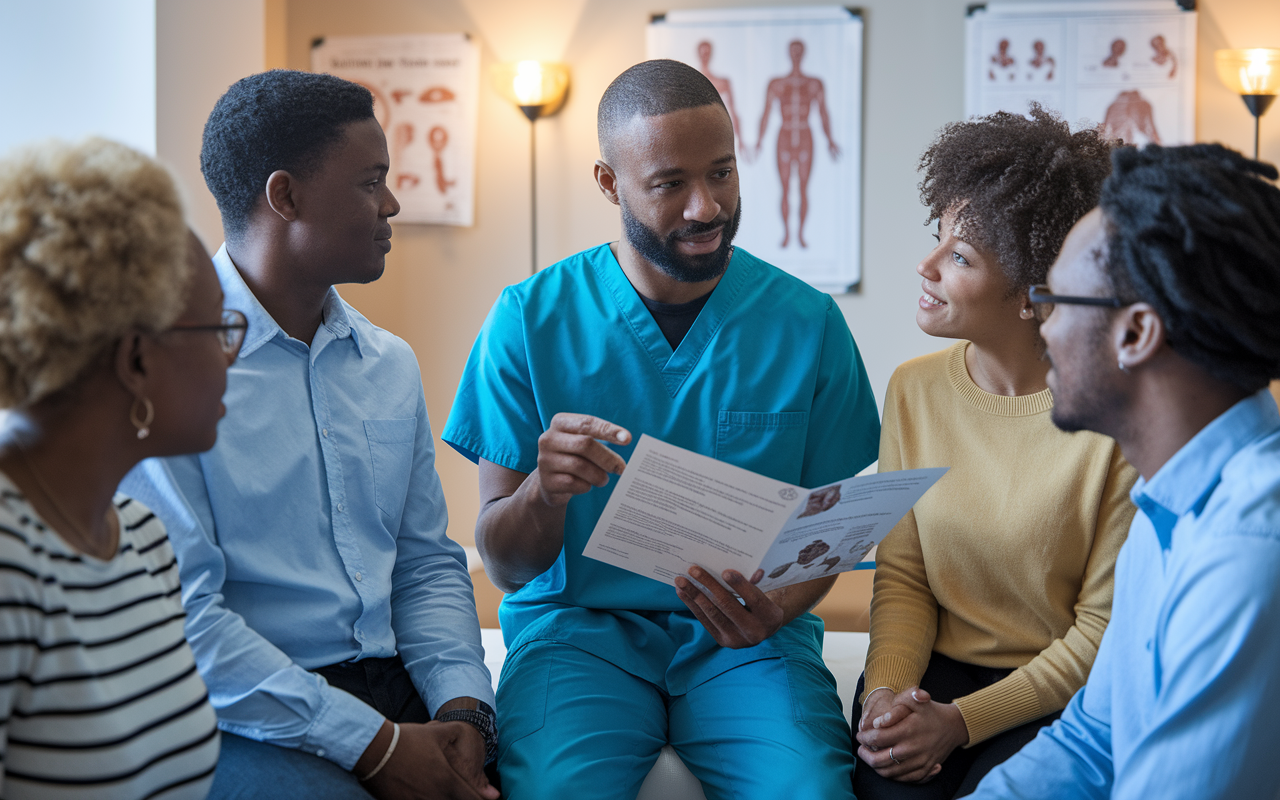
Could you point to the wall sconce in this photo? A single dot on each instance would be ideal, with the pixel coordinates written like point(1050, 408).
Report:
point(1254, 74)
point(538, 89)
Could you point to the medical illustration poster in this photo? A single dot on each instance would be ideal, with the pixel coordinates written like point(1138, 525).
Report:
point(792, 81)
point(1128, 66)
point(425, 95)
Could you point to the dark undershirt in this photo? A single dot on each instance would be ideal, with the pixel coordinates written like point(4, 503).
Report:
point(675, 319)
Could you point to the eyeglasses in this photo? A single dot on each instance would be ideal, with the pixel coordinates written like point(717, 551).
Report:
point(1040, 294)
point(230, 332)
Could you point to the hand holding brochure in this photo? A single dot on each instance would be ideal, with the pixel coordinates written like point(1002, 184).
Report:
point(673, 508)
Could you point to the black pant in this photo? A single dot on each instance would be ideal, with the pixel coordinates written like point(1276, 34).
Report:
point(946, 679)
point(382, 683)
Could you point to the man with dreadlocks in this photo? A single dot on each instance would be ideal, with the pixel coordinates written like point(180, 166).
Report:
point(1163, 335)
point(672, 332)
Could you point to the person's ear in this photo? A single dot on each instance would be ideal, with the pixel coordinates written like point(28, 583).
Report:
point(607, 180)
point(281, 188)
point(133, 356)
point(1139, 335)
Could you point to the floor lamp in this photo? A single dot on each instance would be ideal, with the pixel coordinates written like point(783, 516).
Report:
point(1254, 74)
point(538, 89)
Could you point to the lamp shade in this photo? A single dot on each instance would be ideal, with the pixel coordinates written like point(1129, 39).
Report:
point(1254, 71)
point(533, 84)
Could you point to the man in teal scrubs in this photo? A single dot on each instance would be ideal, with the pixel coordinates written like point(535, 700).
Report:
point(674, 333)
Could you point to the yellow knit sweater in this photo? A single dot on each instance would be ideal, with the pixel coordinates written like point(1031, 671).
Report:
point(1008, 561)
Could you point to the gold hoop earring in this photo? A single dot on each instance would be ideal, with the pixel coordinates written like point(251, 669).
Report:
point(149, 416)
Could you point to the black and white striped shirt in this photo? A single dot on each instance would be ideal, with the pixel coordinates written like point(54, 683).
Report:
point(99, 694)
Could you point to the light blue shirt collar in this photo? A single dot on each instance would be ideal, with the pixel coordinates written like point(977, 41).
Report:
point(262, 328)
point(1185, 481)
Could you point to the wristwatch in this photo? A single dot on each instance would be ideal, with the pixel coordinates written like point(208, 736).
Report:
point(483, 719)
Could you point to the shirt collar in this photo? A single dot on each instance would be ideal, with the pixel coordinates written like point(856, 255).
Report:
point(262, 328)
point(1185, 481)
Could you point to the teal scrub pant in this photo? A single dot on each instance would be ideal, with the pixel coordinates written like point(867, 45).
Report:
point(572, 725)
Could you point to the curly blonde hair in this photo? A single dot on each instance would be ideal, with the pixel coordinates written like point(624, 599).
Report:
point(92, 246)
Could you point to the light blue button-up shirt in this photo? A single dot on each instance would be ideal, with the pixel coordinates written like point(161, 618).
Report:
point(314, 533)
point(1183, 698)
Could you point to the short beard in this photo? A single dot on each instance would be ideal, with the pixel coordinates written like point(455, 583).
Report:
point(1092, 402)
point(662, 252)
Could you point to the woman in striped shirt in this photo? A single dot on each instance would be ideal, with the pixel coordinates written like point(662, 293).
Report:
point(113, 348)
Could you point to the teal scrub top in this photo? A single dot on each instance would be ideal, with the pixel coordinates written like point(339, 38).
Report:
point(768, 378)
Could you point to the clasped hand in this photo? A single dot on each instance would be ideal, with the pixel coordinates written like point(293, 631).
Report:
point(435, 760)
point(907, 736)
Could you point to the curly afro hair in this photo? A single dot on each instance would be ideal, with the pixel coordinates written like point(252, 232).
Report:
point(92, 246)
point(1195, 232)
point(282, 119)
point(1016, 184)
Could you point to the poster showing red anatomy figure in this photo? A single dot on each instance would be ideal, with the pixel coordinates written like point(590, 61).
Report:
point(425, 92)
point(791, 79)
point(1127, 65)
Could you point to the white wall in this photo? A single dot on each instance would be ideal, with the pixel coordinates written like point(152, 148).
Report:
point(72, 68)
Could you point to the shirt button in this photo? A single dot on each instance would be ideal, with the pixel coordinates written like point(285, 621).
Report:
point(320, 752)
point(359, 577)
point(339, 506)
point(324, 432)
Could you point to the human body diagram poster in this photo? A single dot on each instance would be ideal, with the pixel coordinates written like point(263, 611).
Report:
point(792, 81)
point(1128, 66)
point(673, 508)
point(425, 95)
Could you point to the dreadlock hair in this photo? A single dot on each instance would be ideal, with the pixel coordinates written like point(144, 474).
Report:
point(1016, 185)
point(280, 119)
point(1195, 232)
point(651, 89)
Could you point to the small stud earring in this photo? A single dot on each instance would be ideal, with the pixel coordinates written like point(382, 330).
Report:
point(1123, 367)
point(148, 416)
point(1026, 313)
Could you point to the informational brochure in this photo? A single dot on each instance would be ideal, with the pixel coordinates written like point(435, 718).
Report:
point(673, 508)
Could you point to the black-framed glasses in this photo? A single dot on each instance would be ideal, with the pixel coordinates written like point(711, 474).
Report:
point(1040, 294)
point(230, 333)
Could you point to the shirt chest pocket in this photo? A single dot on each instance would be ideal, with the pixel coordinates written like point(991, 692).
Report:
point(771, 443)
point(391, 453)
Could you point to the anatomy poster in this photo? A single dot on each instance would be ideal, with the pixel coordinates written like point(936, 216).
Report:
point(1128, 66)
point(425, 94)
point(792, 81)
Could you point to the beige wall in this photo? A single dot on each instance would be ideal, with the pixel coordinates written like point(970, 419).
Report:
point(201, 49)
point(440, 281)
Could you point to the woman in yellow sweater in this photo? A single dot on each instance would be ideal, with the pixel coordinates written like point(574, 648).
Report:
point(991, 596)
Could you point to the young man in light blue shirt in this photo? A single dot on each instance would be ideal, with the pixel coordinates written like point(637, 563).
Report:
point(673, 333)
point(1164, 331)
point(331, 618)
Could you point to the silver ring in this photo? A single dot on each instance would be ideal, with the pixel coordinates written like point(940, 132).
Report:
point(891, 758)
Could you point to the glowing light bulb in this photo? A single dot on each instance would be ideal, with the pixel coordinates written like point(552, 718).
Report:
point(527, 83)
point(1256, 77)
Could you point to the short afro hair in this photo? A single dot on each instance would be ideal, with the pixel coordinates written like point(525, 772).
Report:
point(281, 119)
point(1017, 184)
point(1195, 232)
point(651, 89)
point(92, 246)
